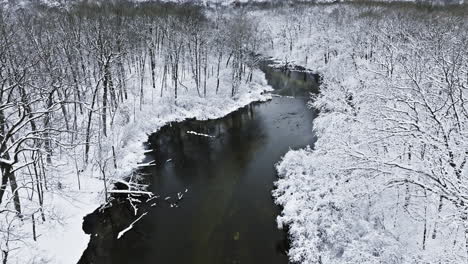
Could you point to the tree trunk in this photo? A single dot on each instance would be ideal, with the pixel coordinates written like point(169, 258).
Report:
point(88, 127)
point(104, 101)
point(47, 141)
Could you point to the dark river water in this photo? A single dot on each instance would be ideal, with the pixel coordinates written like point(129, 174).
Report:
point(215, 202)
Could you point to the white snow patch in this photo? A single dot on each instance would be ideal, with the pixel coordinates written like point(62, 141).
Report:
point(199, 134)
point(121, 233)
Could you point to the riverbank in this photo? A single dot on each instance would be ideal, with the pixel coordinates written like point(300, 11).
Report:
point(386, 181)
point(226, 167)
point(360, 195)
point(71, 204)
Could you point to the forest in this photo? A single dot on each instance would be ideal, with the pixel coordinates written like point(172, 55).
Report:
point(386, 180)
point(72, 80)
point(82, 87)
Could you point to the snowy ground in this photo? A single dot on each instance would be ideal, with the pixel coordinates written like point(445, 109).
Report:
point(326, 216)
point(61, 240)
point(337, 208)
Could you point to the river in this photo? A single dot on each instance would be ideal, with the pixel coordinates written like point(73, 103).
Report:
point(214, 179)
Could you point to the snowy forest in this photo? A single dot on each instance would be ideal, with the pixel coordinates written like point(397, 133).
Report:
point(385, 179)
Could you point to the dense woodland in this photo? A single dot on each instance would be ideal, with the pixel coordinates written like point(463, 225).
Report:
point(387, 179)
point(69, 78)
point(386, 182)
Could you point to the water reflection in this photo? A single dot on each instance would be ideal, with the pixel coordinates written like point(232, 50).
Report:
point(227, 215)
point(291, 80)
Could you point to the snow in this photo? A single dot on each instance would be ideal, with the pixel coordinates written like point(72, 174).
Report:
point(130, 132)
point(332, 211)
point(131, 192)
point(199, 134)
point(319, 223)
point(50, 246)
point(222, 3)
point(148, 164)
point(121, 233)
point(340, 201)
point(180, 196)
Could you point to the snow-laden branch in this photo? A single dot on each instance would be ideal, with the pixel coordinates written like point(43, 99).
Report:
point(121, 233)
point(199, 134)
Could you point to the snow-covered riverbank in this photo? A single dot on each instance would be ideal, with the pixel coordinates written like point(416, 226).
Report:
point(385, 182)
point(368, 190)
point(61, 240)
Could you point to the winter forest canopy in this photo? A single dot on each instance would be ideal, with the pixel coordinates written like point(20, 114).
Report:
point(82, 86)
